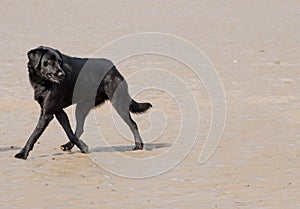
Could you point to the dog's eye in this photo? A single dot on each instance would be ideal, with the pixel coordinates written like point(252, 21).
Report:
point(49, 61)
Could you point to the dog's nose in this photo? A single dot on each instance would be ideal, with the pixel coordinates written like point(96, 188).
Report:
point(60, 74)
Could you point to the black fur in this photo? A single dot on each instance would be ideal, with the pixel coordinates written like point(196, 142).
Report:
point(60, 81)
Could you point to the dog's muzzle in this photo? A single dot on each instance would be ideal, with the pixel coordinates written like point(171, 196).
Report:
point(60, 74)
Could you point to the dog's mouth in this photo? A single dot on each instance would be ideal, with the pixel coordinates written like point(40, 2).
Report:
point(53, 78)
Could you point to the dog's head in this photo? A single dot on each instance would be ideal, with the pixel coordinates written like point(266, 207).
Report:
point(46, 63)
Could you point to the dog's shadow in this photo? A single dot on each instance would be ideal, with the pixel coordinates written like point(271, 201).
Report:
point(123, 148)
point(5, 149)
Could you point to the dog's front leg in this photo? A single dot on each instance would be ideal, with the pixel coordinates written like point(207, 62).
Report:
point(64, 122)
point(37, 132)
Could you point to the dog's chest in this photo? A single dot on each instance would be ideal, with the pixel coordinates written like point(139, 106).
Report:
point(39, 93)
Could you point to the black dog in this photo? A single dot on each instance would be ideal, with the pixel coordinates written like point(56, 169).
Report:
point(60, 81)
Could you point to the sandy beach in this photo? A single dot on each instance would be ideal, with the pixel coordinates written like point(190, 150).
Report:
point(254, 47)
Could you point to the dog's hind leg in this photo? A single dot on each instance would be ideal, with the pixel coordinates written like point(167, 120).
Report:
point(125, 115)
point(64, 121)
point(121, 101)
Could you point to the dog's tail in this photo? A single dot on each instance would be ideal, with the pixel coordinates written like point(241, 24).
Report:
point(136, 107)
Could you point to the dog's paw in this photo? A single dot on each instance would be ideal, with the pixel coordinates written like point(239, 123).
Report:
point(138, 146)
point(83, 147)
point(67, 147)
point(21, 155)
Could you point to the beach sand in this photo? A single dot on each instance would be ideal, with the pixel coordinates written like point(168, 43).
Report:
point(254, 46)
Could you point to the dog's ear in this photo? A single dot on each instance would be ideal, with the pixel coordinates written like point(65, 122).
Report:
point(60, 55)
point(35, 56)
